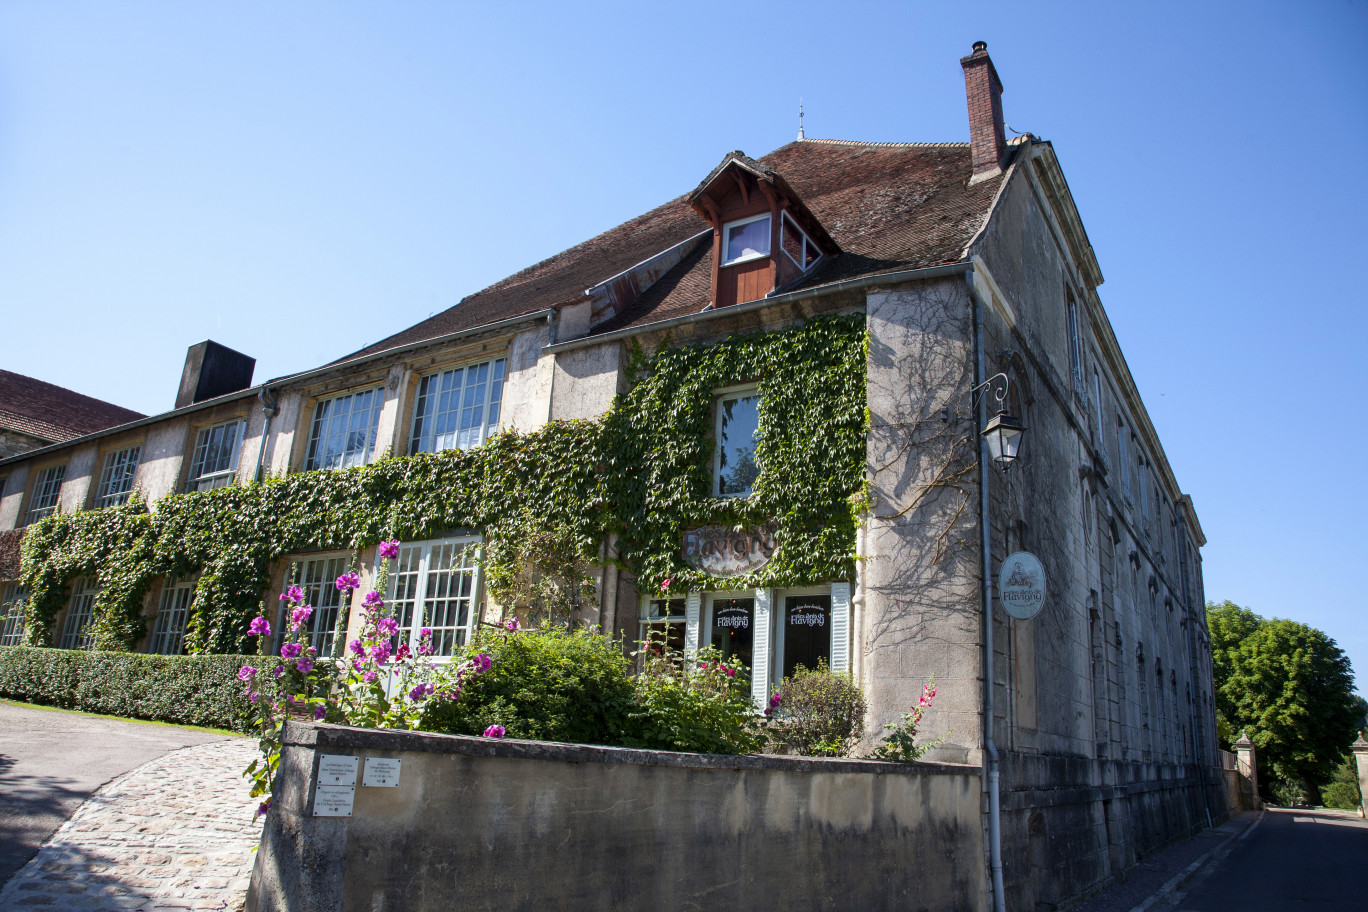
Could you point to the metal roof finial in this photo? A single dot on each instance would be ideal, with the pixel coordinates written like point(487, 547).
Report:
point(801, 137)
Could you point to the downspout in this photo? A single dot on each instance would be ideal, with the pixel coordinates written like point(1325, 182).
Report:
point(269, 409)
point(990, 754)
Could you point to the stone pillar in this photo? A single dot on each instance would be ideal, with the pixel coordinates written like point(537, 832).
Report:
point(1245, 763)
point(1360, 749)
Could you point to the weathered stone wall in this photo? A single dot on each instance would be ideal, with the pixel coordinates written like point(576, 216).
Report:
point(481, 824)
point(13, 442)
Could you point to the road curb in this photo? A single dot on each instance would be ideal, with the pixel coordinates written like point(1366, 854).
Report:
point(1175, 883)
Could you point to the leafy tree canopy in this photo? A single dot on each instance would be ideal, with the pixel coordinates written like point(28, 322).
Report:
point(1289, 686)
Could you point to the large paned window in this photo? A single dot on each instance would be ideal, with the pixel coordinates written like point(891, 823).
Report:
point(435, 584)
point(46, 490)
point(318, 578)
point(1075, 350)
point(173, 614)
point(344, 430)
point(735, 468)
point(1123, 458)
point(12, 615)
point(747, 239)
point(458, 408)
point(662, 622)
point(116, 478)
point(76, 633)
point(215, 458)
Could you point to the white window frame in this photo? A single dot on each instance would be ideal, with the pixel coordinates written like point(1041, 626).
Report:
point(780, 628)
point(47, 493)
point(116, 477)
point(80, 612)
point(720, 398)
point(646, 620)
point(785, 218)
point(12, 615)
point(321, 593)
point(198, 479)
point(311, 461)
point(491, 408)
point(173, 617)
point(727, 258)
point(470, 548)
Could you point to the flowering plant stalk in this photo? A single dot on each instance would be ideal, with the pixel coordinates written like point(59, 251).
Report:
point(900, 742)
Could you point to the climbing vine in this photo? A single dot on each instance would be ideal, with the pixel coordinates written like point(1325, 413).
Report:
point(642, 472)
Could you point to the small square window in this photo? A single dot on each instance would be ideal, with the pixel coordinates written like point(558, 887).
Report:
point(738, 429)
point(748, 239)
point(116, 479)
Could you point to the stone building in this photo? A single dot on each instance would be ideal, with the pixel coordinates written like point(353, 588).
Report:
point(978, 284)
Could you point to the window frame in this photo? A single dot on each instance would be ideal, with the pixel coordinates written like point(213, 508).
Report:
point(372, 432)
point(128, 471)
point(720, 398)
point(13, 623)
point(46, 497)
point(317, 593)
point(196, 476)
point(645, 620)
point(785, 218)
point(727, 258)
point(473, 546)
point(163, 634)
point(492, 410)
point(80, 612)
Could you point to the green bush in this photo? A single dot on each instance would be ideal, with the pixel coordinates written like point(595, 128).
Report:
point(548, 685)
point(704, 706)
point(1343, 790)
point(190, 690)
point(820, 713)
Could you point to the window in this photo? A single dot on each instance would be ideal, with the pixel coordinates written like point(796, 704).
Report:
point(12, 615)
point(344, 430)
point(76, 631)
point(662, 621)
point(434, 585)
point(116, 479)
point(748, 239)
point(215, 458)
point(1144, 503)
point(173, 614)
point(45, 492)
point(457, 408)
point(1123, 459)
point(797, 245)
point(318, 578)
point(738, 427)
point(1075, 350)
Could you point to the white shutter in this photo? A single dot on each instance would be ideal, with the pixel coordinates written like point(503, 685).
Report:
point(692, 604)
point(840, 626)
point(760, 649)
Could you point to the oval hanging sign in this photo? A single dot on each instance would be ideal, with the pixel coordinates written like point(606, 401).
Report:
point(723, 551)
point(1021, 585)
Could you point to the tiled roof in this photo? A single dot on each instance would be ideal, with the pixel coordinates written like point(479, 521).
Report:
point(54, 413)
point(890, 206)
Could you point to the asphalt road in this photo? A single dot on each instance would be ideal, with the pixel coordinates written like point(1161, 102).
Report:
point(1295, 860)
point(51, 761)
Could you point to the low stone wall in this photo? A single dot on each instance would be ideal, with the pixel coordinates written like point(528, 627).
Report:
point(476, 823)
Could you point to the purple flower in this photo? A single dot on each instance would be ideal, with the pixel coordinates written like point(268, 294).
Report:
point(511, 624)
point(300, 616)
point(373, 600)
point(495, 731)
point(253, 697)
point(291, 650)
point(403, 652)
point(264, 807)
point(357, 647)
point(260, 627)
point(246, 673)
point(425, 633)
point(319, 713)
point(387, 626)
point(369, 677)
point(381, 651)
point(304, 665)
point(422, 690)
point(481, 663)
point(278, 671)
point(348, 581)
point(389, 549)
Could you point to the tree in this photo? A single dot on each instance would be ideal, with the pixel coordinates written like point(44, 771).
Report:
point(1290, 687)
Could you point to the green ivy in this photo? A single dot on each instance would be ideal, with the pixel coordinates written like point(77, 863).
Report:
point(642, 472)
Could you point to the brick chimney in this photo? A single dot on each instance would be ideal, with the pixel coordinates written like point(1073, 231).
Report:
point(987, 136)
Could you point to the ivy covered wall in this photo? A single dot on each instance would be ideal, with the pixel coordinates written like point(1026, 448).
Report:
point(641, 472)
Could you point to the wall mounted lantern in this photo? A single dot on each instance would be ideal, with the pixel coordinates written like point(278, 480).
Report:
point(1003, 431)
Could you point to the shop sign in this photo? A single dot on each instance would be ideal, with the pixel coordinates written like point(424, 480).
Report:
point(1021, 585)
point(735, 617)
point(723, 551)
point(807, 616)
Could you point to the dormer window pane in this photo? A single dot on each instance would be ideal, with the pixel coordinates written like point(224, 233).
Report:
point(747, 240)
point(797, 245)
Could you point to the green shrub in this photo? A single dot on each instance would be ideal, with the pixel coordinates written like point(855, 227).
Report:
point(1343, 790)
point(820, 713)
point(548, 685)
point(703, 707)
point(190, 690)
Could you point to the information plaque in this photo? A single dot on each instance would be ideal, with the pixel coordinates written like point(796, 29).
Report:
point(337, 769)
point(334, 800)
point(381, 772)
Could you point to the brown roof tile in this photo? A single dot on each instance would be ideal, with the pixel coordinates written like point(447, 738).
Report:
point(55, 413)
point(891, 206)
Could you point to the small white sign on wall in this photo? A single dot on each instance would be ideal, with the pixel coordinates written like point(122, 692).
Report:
point(381, 772)
point(334, 800)
point(1021, 585)
point(337, 769)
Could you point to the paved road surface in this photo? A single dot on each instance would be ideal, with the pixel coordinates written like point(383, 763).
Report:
point(1293, 861)
point(50, 762)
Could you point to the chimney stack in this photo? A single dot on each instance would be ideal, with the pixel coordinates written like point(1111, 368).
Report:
point(987, 136)
point(213, 370)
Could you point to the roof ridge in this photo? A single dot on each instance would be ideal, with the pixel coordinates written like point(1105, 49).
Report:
point(907, 145)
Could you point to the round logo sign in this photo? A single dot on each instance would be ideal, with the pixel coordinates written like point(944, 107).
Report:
point(1021, 585)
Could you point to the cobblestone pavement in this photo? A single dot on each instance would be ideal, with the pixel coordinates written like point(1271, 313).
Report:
point(175, 833)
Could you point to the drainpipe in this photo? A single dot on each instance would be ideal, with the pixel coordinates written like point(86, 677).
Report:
point(269, 408)
point(990, 754)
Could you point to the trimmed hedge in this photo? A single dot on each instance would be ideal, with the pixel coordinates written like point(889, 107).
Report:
point(189, 690)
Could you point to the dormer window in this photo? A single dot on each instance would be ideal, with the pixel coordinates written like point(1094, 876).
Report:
point(746, 239)
point(797, 245)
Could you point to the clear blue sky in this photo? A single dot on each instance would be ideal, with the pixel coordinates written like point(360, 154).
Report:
point(297, 179)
